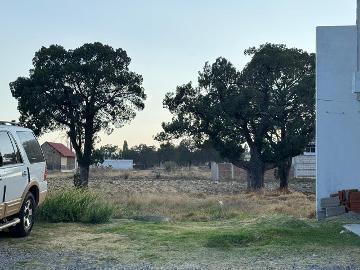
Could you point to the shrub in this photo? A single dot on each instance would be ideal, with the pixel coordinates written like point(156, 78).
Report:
point(169, 166)
point(126, 175)
point(157, 173)
point(75, 205)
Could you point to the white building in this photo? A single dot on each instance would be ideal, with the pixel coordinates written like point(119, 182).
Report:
point(119, 164)
point(338, 110)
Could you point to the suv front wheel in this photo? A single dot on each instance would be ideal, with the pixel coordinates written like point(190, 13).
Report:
point(26, 216)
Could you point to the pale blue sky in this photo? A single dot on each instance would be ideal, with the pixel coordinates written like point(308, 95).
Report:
point(168, 41)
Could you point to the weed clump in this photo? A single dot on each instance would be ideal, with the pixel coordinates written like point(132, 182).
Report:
point(75, 205)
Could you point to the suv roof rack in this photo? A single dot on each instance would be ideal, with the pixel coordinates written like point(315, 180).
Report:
point(9, 123)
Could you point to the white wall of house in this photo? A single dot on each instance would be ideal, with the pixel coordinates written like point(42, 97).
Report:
point(338, 112)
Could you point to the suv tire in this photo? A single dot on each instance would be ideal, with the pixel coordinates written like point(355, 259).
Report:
point(26, 216)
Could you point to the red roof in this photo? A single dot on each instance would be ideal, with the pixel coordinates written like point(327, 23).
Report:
point(62, 149)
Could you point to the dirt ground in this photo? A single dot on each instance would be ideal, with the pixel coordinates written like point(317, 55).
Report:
point(185, 181)
point(191, 194)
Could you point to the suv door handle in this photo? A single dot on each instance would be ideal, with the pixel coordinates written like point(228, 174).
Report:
point(24, 173)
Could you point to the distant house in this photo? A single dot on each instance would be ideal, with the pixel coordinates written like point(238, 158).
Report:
point(119, 164)
point(58, 157)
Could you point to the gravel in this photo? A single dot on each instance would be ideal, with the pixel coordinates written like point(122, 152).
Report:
point(13, 258)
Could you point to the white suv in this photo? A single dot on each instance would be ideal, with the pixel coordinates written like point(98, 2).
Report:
point(23, 176)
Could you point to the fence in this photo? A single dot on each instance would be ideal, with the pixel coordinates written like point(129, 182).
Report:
point(305, 166)
point(228, 171)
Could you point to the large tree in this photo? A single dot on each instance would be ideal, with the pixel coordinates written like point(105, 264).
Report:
point(143, 155)
point(81, 91)
point(267, 107)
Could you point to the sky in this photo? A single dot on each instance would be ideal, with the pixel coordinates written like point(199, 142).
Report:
point(169, 41)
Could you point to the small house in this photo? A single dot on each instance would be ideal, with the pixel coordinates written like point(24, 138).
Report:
point(58, 157)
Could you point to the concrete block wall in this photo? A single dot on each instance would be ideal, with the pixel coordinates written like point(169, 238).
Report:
point(228, 171)
point(305, 166)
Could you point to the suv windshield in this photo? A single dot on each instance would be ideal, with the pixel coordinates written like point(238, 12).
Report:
point(31, 146)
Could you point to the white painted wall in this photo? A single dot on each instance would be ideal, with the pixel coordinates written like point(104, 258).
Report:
point(338, 112)
point(120, 164)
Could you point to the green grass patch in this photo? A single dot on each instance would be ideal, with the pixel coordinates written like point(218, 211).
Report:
point(229, 240)
point(75, 205)
point(265, 233)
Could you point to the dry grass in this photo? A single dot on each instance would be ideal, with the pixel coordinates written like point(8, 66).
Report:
point(296, 204)
point(190, 195)
point(201, 207)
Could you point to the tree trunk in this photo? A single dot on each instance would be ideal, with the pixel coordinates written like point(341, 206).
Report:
point(256, 171)
point(81, 178)
point(284, 172)
point(84, 175)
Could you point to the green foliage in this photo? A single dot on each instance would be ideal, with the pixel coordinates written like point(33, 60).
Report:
point(75, 205)
point(144, 155)
point(97, 157)
point(184, 154)
point(105, 152)
point(268, 106)
point(187, 153)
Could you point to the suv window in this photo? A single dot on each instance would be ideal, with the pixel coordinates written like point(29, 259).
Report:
point(16, 147)
point(31, 146)
point(8, 155)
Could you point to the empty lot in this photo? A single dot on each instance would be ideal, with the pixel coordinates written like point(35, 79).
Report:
point(183, 220)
